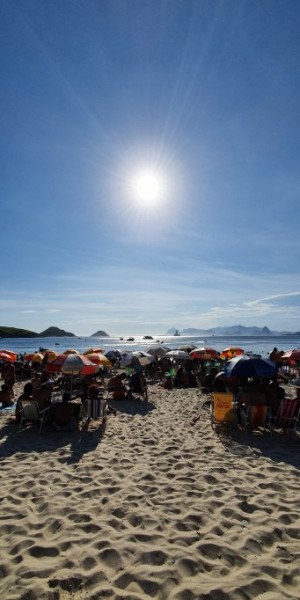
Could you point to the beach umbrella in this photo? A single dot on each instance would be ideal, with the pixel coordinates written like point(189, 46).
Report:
point(51, 354)
point(113, 354)
point(178, 355)
point(247, 366)
point(291, 355)
point(158, 351)
point(71, 351)
point(54, 366)
point(143, 357)
point(99, 359)
point(76, 364)
point(34, 357)
point(92, 350)
point(204, 353)
point(187, 348)
point(7, 357)
point(13, 355)
point(231, 352)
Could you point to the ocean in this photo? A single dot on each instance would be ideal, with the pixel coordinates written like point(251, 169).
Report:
point(256, 345)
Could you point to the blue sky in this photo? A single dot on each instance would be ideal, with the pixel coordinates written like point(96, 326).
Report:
point(101, 98)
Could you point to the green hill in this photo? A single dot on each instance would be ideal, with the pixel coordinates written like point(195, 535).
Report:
point(14, 332)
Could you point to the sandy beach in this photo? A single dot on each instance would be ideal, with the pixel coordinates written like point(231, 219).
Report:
point(157, 507)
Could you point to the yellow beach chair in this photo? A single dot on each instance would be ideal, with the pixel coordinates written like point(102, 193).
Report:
point(222, 411)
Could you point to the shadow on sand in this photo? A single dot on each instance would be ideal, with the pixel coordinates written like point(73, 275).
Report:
point(28, 440)
point(137, 406)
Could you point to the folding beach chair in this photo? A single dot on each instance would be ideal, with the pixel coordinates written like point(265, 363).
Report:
point(254, 417)
point(30, 411)
point(95, 408)
point(138, 386)
point(288, 414)
point(222, 409)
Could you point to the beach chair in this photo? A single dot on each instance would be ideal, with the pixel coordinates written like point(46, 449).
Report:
point(288, 414)
point(256, 416)
point(94, 409)
point(222, 410)
point(97, 408)
point(138, 386)
point(30, 411)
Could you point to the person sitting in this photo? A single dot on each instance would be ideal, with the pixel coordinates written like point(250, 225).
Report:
point(6, 396)
point(36, 381)
point(137, 383)
point(117, 386)
point(42, 395)
point(65, 414)
point(27, 394)
point(181, 378)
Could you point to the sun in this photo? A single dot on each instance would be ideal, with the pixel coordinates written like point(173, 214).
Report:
point(148, 187)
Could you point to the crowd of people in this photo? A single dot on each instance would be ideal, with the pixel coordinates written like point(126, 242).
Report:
point(69, 407)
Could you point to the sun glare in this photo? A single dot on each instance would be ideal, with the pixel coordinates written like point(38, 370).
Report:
point(148, 187)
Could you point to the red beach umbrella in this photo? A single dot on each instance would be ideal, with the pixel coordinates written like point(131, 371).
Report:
point(291, 355)
point(78, 363)
point(204, 353)
point(13, 355)
point(54, 366)
point(6, 357)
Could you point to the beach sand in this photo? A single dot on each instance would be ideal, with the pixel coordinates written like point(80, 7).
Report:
point(158, 507)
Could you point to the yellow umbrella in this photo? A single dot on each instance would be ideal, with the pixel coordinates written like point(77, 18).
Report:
point(92, 350)
point(35, 357)
point(99, 359)
point(51, 354)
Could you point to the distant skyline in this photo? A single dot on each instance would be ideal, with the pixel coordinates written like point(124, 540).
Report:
point(150, 164)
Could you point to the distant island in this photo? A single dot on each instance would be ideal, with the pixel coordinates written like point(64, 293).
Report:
point(234, 330)
point(14, 332)
point(99, 334)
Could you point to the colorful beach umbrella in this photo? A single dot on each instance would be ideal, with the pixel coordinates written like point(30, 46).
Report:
point(35, 357)
point(10, 353)
point(71, 351)
point(7, 357)
point(78, 364)
point(231, 352)
point(204, 353)
point(92, 350)
point(99, 359)
point(55, 366)
point(291, 355)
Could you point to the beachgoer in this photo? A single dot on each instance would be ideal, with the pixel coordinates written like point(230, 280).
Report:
point(27, 394)
point(65, 414)
point(6, 396)
point(117, 386)
point(9, 376)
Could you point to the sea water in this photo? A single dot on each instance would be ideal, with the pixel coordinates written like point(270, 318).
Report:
point(256, 344)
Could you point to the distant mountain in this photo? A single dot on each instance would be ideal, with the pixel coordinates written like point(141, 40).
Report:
point(234, 330)
point(56, 332)
point(99, 334)
point(14, 332)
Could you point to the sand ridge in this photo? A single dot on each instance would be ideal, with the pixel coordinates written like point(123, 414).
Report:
point(157, 506)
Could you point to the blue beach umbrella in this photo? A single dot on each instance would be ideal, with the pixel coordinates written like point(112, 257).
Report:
point(247, 366)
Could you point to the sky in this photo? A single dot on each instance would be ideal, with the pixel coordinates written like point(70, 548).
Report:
point(149, 164)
